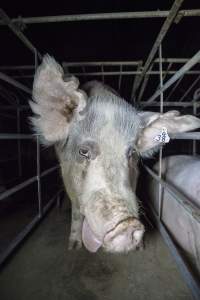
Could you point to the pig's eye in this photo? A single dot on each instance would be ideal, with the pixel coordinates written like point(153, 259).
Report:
point(84, 152)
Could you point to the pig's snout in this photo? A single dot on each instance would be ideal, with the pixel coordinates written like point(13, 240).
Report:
point(125, 236)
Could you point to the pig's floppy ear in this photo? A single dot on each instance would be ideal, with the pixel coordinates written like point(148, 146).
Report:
point(57, 103)
point(153, 124)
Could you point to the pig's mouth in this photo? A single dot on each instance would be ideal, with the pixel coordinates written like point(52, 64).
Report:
point(126, 235)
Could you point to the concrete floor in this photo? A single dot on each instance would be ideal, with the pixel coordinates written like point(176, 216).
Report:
point(43, 268)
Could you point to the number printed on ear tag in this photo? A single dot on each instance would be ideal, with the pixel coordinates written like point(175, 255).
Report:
point(163, 137)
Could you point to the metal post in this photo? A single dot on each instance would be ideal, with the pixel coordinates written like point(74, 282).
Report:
point(102, 70)
point(176, 76)
point(40, 209)
point(168, 22)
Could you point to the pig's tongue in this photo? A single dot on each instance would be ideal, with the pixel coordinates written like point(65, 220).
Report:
point(89, 239)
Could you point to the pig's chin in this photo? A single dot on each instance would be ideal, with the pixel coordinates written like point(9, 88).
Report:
point(125, 236)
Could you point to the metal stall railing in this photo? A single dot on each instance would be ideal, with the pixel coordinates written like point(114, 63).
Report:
point(141, 71)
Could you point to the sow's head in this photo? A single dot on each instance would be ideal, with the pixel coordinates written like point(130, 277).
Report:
point(99, 138)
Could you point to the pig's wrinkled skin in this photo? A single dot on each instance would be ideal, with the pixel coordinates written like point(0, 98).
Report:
point(99, 138)
point(182, 172)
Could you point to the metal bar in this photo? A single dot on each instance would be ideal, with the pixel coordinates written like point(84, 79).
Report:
point(190, 88)
point(105, 16)
point(189, 207)
point(48, 171)
point(176, 76)
point(192, 282)
point(165, 73)
point(144, 84)
point(24, 184)
point(7, 21)
point(21, 236)
point(136, 78)
point(15, 83)
point(160, 189)
point(17, 188)
point(164, 29)
point(15, 136)
point(126, 73)
point(174, 88)
point(40, 210)
point(186, 136)
point(170, 103)
point(97, 63)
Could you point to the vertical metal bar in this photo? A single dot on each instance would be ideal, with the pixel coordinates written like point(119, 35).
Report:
point(19, 156)
point(120, 78)
point(40, 209)
point(165, 74)
point(160, 191)
point(169, 20)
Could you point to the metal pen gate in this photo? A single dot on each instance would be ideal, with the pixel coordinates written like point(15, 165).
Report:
point(169, 72)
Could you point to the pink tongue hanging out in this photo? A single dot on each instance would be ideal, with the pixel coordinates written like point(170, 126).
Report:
point(91, 242)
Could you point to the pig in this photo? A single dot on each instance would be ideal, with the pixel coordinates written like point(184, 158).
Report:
point(99, 138)
point(182, 172)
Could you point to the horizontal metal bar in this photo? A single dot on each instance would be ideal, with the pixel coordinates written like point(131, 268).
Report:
point(7, 21)
point(15, 83)
point(188, 206)
point(105, 16)
point(181, 72)
point(170, 103)
point(116, 73)
point(16, 136)
point(186, 136)
point(192, 282)
point(27, 182)
point(163, 31)
point(98, 63)
point(21, 236)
